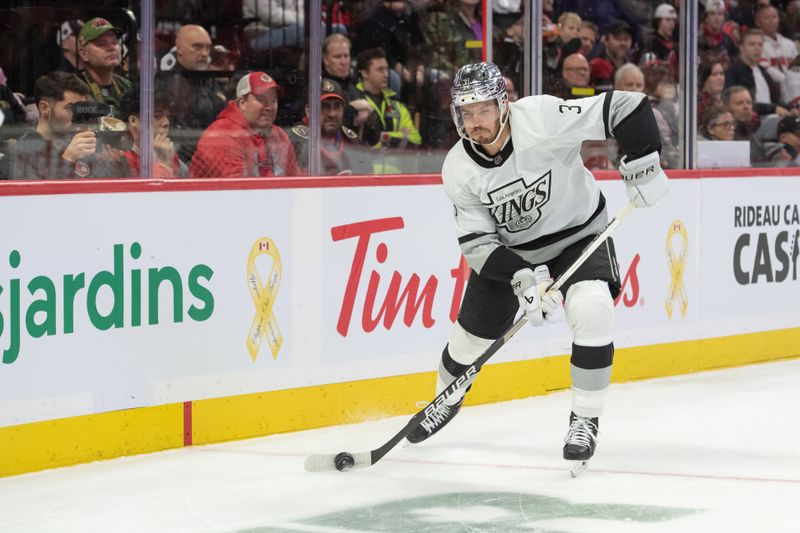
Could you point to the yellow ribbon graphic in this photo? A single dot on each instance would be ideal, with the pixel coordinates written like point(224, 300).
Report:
point(264, 324)
point(676, 261)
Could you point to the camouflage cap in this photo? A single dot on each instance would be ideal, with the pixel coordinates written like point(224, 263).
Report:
point(94, 29)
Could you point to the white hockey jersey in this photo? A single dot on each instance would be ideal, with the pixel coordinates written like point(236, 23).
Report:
point(534, 197)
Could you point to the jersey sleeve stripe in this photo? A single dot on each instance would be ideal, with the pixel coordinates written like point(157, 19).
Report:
point(472, 236)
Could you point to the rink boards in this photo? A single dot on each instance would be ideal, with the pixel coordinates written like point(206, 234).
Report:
point(144, 315)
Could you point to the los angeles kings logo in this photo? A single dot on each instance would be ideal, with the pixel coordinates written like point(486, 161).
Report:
point(516, 206)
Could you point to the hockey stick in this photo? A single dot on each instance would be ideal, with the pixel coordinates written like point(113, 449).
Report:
point(345, 461)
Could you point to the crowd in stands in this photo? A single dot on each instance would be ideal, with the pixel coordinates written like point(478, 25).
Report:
point(231, 82)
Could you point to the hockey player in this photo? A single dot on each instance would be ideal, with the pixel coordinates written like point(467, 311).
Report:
point(525, 207)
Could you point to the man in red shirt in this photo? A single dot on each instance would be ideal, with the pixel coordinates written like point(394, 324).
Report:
point(244, 141)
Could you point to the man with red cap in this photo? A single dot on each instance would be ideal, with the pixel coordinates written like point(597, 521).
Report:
point(341, 151)
point(244, 141)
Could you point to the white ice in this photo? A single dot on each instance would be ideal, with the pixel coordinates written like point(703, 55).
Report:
point(713, 451)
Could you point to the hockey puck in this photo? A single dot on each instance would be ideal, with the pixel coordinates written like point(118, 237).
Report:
point(343, 461)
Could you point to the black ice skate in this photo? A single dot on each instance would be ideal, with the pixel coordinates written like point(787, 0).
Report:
point(580, 442)
point(434, 422)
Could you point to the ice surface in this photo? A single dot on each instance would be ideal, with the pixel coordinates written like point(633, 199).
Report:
point(713, 451)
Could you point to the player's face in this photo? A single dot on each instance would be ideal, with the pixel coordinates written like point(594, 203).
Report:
point(103, 52)
point(481, 121)
point(337, 59)
point(260, 111)
point(332, 116)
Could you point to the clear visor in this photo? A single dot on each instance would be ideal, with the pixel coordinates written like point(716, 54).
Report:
point(458, 118)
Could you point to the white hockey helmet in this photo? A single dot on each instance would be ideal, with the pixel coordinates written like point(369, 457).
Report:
point(478, 82)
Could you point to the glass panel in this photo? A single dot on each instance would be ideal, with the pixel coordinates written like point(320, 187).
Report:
point(66, 70)
point(230, 77)
point(748, 86)
point(508, 27)
point(588, 51)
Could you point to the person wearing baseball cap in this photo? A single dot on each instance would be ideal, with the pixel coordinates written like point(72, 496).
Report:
point(243, 141)
point(617, 41)
point(713, 37)
point(100, 52)
point(339, 145)
point(665, 18)
point(789, 135)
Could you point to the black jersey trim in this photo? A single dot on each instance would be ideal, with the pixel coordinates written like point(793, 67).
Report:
point(496, 160)
point(637, 133)
point(606, 111)
point(547, 240)
point(472, 236)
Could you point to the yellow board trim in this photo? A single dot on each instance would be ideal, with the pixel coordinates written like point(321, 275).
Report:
point(87, 438)
point(81, 439)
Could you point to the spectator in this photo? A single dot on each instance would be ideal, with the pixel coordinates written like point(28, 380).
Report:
point(67, 40)
point(511, 90)
point(195, 97)
point(450, 35)
point(166, 163)
point(717, 124)
point(662, 46)
point(565, 41)
point(57, 148)
point(574, 81)
point(747, 71)
point(336, 65)
point(713, 38)
point(505, 13)
point(588, 36)
point(244, 141)
point(340, 151)
point(789, 136)
point(739, 102)
point(778, 53)
point(397, 30)
point(629, 77)
point(280, 23)
point(223, 62)
point(569, 26)
point(711, 81)
point(659, 85)
point(389, 123)
point(508, 54)
point(101, 53)
point(616, 51)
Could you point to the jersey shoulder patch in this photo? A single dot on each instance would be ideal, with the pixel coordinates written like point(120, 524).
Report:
point(301, 130)
point(350, 134)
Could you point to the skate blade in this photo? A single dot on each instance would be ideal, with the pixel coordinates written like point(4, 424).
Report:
point(576, 467)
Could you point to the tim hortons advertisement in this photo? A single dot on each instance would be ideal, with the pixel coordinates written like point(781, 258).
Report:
point(151, 298)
